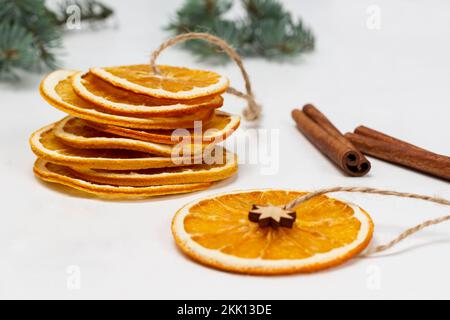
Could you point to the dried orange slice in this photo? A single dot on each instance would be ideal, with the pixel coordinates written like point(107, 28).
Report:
point(164, 176)
point(124, 102)
point(51, 172)
point(216, 231)
point(47, 146)
point(76, 133)
point(173, 82)
point(220, 127)
point(57, 90)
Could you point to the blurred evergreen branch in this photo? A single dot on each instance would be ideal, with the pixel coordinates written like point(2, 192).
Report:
point(31, 32)
point(266, 29)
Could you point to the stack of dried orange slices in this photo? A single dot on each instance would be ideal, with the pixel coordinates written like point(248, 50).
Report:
point(132, 133)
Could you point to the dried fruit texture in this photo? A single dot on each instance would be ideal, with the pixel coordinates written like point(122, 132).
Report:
point(47, 146)
point(124, 102)
point(172, 82)
point(76, 133)
point(219, 128)
point(55, 173)
point(216, 231)
point(131, 133)
point(57, 89)
point(164, 176)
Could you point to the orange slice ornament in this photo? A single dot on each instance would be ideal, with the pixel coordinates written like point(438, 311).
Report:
point(217, 232)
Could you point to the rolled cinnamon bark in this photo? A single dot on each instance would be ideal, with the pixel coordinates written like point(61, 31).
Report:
point(382, 146)
point(371, 133)
point(316, 127)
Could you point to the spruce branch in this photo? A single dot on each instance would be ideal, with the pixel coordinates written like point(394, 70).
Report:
point(31, 33)
point(266, 29)
point(16, 49)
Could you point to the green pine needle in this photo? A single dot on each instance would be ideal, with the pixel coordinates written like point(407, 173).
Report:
point(16, 49)
point(31, 33)
point(267, 29)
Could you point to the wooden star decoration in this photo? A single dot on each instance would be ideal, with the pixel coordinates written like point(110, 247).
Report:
point(272, 216)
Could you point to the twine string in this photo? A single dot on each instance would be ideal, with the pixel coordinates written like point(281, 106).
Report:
point(407, 233)
point(253, 109)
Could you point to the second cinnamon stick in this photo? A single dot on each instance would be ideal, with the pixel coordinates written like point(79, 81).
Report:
point(382, 146)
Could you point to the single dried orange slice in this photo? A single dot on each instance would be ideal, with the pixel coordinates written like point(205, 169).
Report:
point(57, 90)
point(47, 146)
point(63, 175)
point(172, 82)
point(217, 232)
point(199, 173)
point(219, 128)
point(125, 102)
point(77, 133)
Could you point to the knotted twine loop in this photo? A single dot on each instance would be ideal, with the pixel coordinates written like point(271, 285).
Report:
point(253, 110)
point(403, 235)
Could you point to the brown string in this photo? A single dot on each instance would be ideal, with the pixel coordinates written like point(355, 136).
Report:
point(403, 235)
point(253, 110)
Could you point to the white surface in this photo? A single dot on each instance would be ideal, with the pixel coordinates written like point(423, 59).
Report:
point(395, 79)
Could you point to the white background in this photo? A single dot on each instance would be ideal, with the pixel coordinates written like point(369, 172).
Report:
point(395, 79)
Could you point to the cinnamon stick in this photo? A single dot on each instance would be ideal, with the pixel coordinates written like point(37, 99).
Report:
point(385, 147)
point(371, 133)
point(321, 132)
